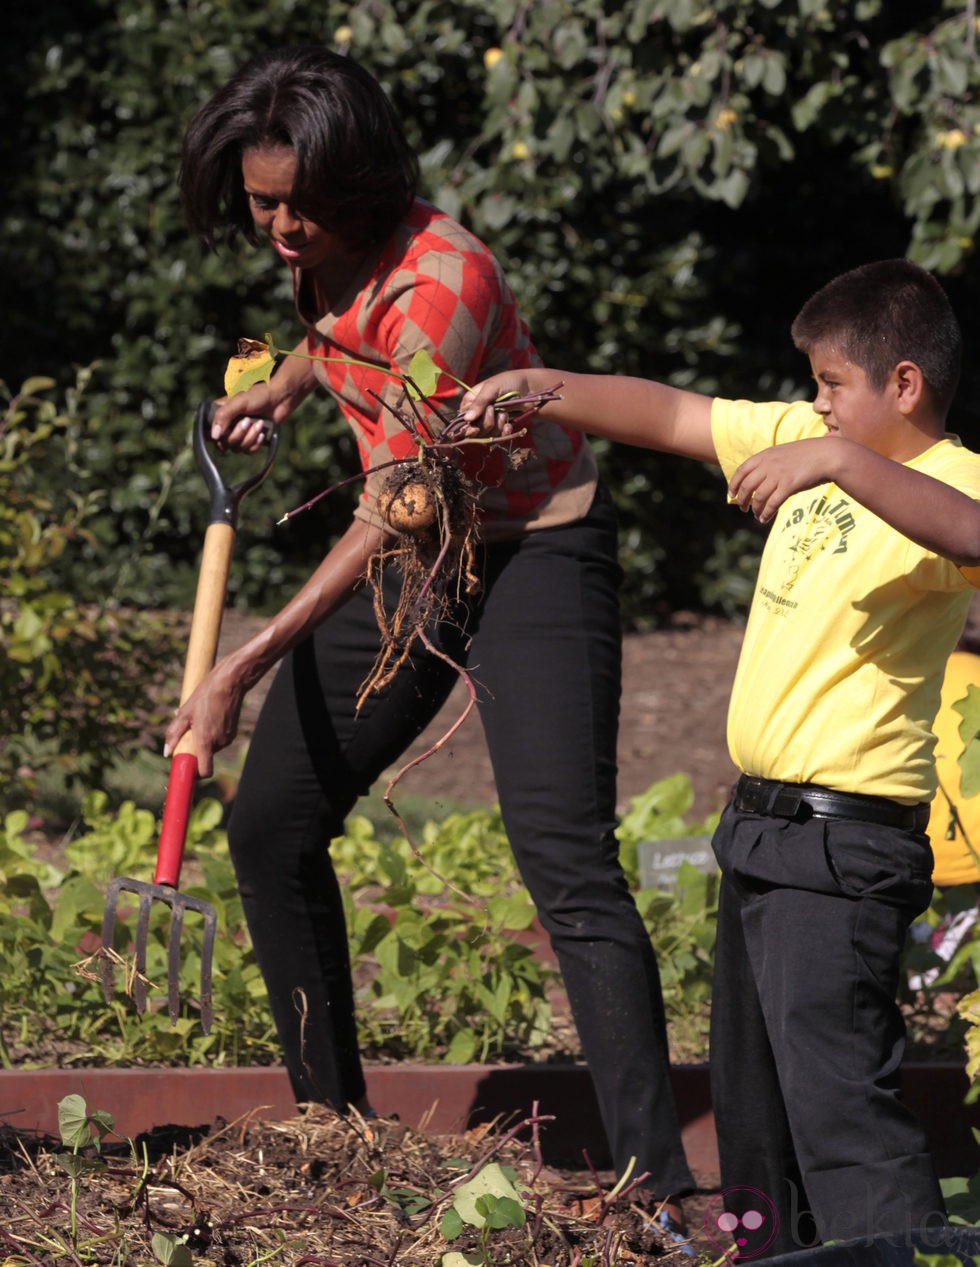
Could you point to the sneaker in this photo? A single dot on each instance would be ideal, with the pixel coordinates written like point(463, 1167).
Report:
point(668, 1225)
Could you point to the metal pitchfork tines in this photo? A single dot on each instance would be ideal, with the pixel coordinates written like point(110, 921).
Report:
point(212, 585)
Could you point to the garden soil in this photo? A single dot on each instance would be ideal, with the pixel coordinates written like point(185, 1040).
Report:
point(316, 1189)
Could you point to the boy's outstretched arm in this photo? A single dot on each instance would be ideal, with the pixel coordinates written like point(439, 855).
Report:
point(927, 511)
point(629, 410)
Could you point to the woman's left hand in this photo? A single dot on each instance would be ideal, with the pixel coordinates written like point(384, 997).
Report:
point(211, 714)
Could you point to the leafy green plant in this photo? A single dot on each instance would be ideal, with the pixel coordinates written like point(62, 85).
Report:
point(77, 679)
point(80, 1130)
point(962, 1197)
point(83, 1131)
point(488, 1202)
point(50, 928)
point(920, 1259)
point(659, 813)
point(171, 1250)
point(969, 1009)
point(682, 924)
point(411, 1200)
point(448, 978)
point(441, 935)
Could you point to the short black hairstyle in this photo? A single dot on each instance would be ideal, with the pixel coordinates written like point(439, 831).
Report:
point(356, 173)
point(883, 313)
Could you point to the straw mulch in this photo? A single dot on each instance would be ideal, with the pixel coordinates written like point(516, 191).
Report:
point(315, 1189)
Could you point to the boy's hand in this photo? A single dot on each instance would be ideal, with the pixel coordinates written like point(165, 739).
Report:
point(479, 413)
point(764, 481)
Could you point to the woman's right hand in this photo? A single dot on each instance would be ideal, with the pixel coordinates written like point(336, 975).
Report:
point(241, 422)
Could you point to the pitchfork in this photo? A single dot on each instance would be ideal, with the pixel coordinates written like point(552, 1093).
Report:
point(209, 602)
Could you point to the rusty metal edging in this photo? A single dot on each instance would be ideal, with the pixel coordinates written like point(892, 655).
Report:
point(445, 1099)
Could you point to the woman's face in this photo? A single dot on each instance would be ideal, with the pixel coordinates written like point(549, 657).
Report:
point(268, 173)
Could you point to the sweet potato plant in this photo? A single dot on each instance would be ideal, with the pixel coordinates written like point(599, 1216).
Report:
point(444, 971)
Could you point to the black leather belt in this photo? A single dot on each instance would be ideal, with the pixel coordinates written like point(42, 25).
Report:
point(808, 800)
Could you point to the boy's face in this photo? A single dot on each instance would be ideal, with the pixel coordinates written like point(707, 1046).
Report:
point(850, 407)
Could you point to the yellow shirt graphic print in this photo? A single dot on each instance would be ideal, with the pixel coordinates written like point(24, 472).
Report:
point(821, 521)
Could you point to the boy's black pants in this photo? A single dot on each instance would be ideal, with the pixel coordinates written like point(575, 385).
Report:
point(806, 1036)
point(545, 653)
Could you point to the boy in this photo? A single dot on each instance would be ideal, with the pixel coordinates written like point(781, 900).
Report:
point(862, 591)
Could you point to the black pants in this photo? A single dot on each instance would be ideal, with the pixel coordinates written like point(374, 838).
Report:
point(545, 649)
point(806, 1036)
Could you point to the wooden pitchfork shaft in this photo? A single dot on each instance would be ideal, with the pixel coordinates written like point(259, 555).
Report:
point(209, 602)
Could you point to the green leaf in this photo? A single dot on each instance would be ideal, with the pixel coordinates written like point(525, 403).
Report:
point(253, 366)
point(969, 729)
point(463, 1047)
point(451, 1224)
point(76, 897)
point(103, 1123)
point(171, 1250)
point(424, 372)
point(73, 1122)
point(507, 1213)
point(512, 911)
point(491, 1181)
point(31, 386)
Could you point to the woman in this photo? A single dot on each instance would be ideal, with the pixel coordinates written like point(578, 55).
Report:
point(302, 147)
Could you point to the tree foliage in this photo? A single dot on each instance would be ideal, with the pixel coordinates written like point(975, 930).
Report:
point(78, 680)
point(664, 180)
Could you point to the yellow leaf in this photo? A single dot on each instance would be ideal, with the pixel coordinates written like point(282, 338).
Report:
point(969, 1008)
point(253, 363)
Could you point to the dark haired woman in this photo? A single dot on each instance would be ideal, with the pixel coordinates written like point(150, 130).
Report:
point(302, 147)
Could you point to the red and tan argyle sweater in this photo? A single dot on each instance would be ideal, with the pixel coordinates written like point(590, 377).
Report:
point(437, 287)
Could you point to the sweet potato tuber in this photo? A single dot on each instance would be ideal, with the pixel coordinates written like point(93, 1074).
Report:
point(409, 506)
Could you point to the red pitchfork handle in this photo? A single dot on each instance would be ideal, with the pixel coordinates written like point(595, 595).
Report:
point(212, 583)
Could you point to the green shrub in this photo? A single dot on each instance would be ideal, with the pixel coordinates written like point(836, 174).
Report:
point(78, 677)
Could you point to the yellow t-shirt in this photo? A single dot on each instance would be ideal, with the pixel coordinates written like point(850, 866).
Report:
point(954, 862)
point(850, 628)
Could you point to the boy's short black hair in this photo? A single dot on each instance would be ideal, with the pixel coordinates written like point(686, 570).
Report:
point(883, 313)
point(356, 173)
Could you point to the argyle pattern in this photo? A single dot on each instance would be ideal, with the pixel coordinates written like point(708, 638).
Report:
point(437, 287)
